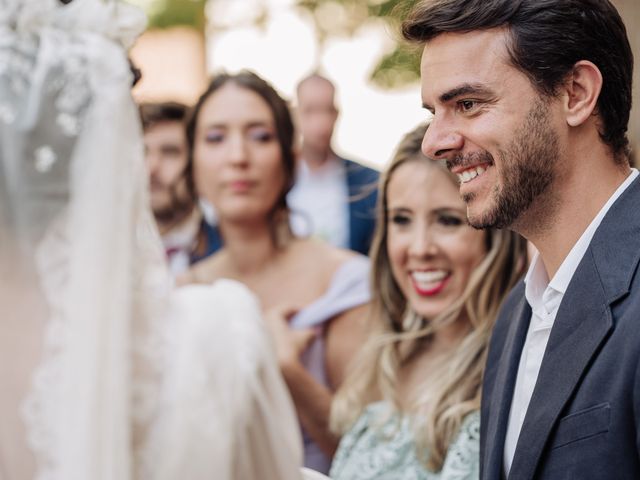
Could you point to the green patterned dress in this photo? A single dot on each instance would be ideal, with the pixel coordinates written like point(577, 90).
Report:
point(375, 451)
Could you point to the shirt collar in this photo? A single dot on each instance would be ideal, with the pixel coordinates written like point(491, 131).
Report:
point(331, 166)
point(536, 282)
point(182, 236)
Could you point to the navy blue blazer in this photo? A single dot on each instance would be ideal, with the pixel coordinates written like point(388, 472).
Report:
point(584, 417)
point(363, 194)
point(209, 242)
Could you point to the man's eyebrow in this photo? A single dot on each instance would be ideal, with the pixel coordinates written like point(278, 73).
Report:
point(466, 89)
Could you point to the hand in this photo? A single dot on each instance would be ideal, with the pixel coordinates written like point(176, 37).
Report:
point(290, 343)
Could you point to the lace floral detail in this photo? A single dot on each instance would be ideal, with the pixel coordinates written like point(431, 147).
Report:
point(28, 27)
point(45, 158)
point(74, 94)
point(386, 451)
point(25, 79)
point(38, 413)
point(463, 457)
point(17, 63)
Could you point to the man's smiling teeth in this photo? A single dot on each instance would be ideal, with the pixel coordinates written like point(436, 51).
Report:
point(470, 174)
point(432, 276)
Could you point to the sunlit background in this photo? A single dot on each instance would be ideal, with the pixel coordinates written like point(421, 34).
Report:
point(355, 43)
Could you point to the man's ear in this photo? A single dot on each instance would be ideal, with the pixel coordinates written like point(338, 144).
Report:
point(582, 88)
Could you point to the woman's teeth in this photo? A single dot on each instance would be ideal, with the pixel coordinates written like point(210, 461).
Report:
point(428, 278)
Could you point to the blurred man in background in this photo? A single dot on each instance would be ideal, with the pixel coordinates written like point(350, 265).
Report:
point(333, 198)
point(187, 238)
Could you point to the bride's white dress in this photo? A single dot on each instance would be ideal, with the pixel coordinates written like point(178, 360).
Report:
point(107, 372)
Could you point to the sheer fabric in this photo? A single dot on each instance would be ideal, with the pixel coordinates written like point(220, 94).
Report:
point(108, 373)
point(71, 203)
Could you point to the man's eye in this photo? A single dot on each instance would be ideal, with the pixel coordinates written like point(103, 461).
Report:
point(214, 137)
point(171, 151)
point(467, 105)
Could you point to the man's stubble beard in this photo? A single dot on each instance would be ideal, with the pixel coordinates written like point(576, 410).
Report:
point(523, 202)
point(180, 205)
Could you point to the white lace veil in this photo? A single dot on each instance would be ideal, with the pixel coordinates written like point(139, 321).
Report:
point(122, 378)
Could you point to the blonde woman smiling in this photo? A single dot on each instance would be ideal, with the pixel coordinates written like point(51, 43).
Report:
point(410, 407)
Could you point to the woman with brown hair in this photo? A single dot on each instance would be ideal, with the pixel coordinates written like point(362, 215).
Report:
point(314, 296)
point(410, 406)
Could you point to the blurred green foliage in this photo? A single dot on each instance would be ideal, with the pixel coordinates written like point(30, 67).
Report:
point(399, 66)
point(171, 13)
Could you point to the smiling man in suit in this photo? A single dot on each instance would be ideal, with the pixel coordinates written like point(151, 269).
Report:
point(531, 101)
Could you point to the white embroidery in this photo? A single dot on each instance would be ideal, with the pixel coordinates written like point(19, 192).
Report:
point(45, 157)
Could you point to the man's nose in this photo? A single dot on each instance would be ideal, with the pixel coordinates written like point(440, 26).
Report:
point(152, 161)
point(441, 141)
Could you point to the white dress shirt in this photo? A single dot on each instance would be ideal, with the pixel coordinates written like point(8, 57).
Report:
point(319, 203)
point(544, 297)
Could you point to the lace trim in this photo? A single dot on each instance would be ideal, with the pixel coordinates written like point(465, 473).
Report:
point(40, 408)
point(51, 61)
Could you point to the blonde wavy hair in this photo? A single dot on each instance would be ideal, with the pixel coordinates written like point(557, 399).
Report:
point(398, 335)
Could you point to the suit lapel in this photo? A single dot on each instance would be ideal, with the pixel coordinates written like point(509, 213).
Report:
point(582, 324)
point(353, 186)
point(504, 385)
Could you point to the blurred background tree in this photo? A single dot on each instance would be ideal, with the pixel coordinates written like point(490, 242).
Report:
point(174, 13)
point(399, 66)
point(171, 54)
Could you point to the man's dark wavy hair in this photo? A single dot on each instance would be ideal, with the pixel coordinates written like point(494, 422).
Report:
point(546, 39)
point(152, 114)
